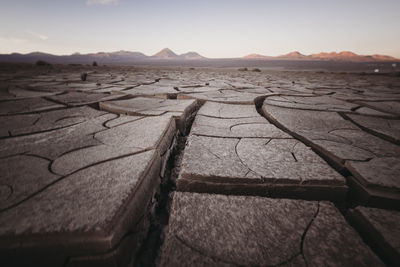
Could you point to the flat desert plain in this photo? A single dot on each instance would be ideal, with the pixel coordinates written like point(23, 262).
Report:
point(173, 166)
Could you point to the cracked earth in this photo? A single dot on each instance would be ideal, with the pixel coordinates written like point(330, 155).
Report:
point(198, 167)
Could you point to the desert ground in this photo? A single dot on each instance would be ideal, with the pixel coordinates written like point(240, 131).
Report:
point(179, 166)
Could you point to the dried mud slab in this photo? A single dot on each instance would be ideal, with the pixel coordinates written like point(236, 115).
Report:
point(27, 106)
point(382, 173)
point(22, 93)
point(370, 159)
point(321, 103)
point(388, 129)
point(24, 174)
point(227, 111)
point(81, 190)
point(218, 230)
point(140, 106)
point(52, 144)
point(150, 90)
point(377, 181)
point(82, 214)
point(392, 107)
point(80, 186)
point(74, 99)
point(222, 96)
point(259, 166)
point(373, 112)
point(240, 127)
point(45, 121)
point(338, 243)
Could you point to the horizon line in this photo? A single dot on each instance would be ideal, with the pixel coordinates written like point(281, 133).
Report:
point(192, 51)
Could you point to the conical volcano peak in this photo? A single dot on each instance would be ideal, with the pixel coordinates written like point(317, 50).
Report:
point(165, 53)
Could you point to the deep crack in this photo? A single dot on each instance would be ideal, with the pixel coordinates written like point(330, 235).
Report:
point(149, 252)
point(305, 233)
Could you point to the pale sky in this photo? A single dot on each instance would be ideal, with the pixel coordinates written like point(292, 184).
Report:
point(213, 28)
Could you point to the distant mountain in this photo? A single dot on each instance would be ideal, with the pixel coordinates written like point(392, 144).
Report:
point(166, 53)
point(256, 56)
point(118, 54)
point(36, 54)
point(103, 57)
point(350, 56)
point(345, 56)
point(342, 56)
point(191, 55)
point(294, 56)
point(335, 56)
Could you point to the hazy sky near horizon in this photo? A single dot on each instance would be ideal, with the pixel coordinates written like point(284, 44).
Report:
point(218, 28)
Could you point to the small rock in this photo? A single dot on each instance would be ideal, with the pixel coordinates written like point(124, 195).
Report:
point(42, 63)
point(83, 76)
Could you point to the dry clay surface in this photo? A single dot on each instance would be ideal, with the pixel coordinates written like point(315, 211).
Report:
point(279, 168)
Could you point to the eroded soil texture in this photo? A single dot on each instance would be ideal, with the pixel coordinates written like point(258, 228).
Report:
point(136, 166)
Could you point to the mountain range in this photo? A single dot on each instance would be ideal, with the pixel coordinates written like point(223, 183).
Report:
point(168, 54)
point(323, 56)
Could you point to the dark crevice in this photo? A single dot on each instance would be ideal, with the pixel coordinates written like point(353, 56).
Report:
point(149, 253)
point(235, 137)
point(303, 237)
point(75, 149)
point(54, 100)
point(355, 108)
point(63, 118)
point(172, 96)
point(37, 156)
point(295, 159)
point(226, 118)
point(36, 121)
point(131, 87)
point(107, 121)
point(140, 118)
point(246, 123)
point(13, 155)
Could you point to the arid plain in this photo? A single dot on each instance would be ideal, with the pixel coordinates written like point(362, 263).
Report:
point(169, 166)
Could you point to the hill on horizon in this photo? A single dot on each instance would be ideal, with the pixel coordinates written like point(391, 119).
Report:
point(324, 56)
point(168, 55)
